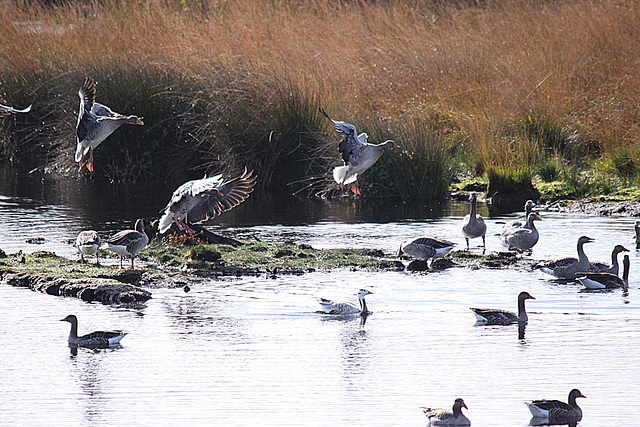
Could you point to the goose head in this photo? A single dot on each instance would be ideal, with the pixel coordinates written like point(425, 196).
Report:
point(363, 293)
point(524, 296)
point(134, 120)
point(140, 225)
point(458, 404)
point(574, 394)
point(584, 239)
point(619, 248)
point(390, 144)
point(71, 319)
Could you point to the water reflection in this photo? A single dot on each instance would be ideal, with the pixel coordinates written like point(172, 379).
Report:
point(545, 422)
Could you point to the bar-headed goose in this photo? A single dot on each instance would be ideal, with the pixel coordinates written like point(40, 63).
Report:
point(566, 268)
point(202, 199)
point(93, 339)
point(425, 248)
point(88, 243)
point(95, 123)
point(357, 154)
point(524, 238)
point(446, 417)
point(557, 411)
point(128, 242)
point(346, 308)
point(490, 316)
point(472, 224)
point(601, 267)
point(592, 280)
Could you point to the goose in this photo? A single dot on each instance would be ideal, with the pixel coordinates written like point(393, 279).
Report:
point(601, 267)
point(357, 154)
point(516, 223)
point(489, 316)
point(557, 411)
point(88, 243)
point(95, 123)
point(94, 339)
point(128, 242)
point(345, 308)
point(8, 109)
point(591, 280)
point(566, 268)
point(445, 417)
point(425, 248)
point(201, 199)
point(473, 225)
point(637, 230)
point(524, 238)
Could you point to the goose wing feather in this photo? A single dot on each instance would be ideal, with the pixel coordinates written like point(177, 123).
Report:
point(495, 316)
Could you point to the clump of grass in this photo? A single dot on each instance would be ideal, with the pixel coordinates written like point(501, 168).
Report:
point(510, 181)
point(549, 169)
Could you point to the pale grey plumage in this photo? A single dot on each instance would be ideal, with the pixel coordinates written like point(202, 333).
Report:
point(445, 417)
point(93, 339)
point(516, 223)
point(472, 224)
point(523, 238)
point(128, 242)
point(88, 243)
point(425, 248)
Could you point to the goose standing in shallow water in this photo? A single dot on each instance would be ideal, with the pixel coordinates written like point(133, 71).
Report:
point(566, 268)
point(524, 238)
point(557, 411)
point(345, 308)
point(593, 280)
point(94, 339)
point(6, 108)
point(95, 123)
point(473, 225)
point(490, 316)
point(128, 242)
point(516, 223)
point(357, 154)
point(201, 199)
point(425, 248)
point(88, 243)
point(445, 417)
point(601, 267)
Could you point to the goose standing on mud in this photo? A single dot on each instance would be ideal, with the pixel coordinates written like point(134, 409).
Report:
point(7, 109)
point(490, 316)
point(601, 267)
point(473, 225)
point(202, 199)
point(128, 242)
point(556, 411)
point(516, 223)
point(445, 417)
point(566, 268)
point(524, 238)
point(425, 248)
point(357, 154)
point(592, 280)
point(93, 339)
point(88, 243)
point(95, 123)
point(346, 308)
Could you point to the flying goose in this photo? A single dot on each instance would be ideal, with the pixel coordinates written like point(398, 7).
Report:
point(566, 268)
point(357, 154)
point(601, 267)
point(516, 223)
point(88, 243)
point(556, 411)
point(425, 248)
point(94, 339)
point(445, 417)
point(6, 108)
point(201, 199)
point(95, 123)
point(345, 308)
point(591, 280)
point(128, 242)
point(473, 225)
point(524, 238)
point(489, 316)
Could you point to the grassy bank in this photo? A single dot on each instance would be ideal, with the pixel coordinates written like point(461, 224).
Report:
point(516, 88)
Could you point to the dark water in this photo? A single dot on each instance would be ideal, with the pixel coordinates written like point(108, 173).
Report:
point(253, 351)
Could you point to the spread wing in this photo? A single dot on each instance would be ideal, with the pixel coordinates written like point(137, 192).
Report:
point(214, 201)
point(351, 141)
point(87, 94)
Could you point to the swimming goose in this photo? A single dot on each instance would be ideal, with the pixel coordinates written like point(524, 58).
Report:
point(445, 417)
point(201, 199)
point(489, 316)
point(128, 242)
point(94, 339)
point(592, 280)
point(557, 411)
point(601, 267)
point(345, 308)
point(95, 123)
point(566, 268)
point(88, 243)
point(516, 223)
point(524, 238)
point(425, 248)
point(11, 109)
point(473, 225)
point(357, 154)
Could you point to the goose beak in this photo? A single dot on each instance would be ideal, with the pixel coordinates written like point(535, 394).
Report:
point(464, 405)
point(538, 218)
point(531, 297)
point(625, 249)
point(582, 395)
point(139, 121)
point(369, 293)
point(396, 145)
